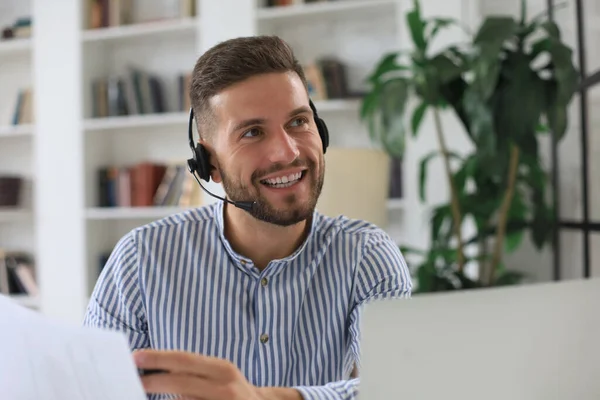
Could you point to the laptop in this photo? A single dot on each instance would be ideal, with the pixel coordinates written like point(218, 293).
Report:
point(529, 342)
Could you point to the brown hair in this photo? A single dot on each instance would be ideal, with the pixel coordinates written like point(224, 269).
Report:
point(233, 61)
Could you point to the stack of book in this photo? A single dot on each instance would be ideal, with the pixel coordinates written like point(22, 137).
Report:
point(148, 184)
point(138, 92)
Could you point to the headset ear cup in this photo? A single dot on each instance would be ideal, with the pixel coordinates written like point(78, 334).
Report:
point(202, 161)
point(323, 132)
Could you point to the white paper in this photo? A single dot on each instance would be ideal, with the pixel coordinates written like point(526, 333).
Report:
point(41, 359)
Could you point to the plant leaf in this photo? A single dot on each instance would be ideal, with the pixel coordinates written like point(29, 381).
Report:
point(425, 278)
point(519, 103)
point(493, 33)
point(557, 118)
point(393, 99)
point(487, 72)
point(370, 102)
point(490, 39)
point(440, 215)
point(438, 23)
point(453, 93)
point(538, 48)
point(556, 113)
point(541, 226)
point(417, 117)
point(417, 28)
point(481, 122)
point(385, 66)
point(512, 241)
point(551, 28)
point(466, 170)
point(444, 69)
point(565, 73)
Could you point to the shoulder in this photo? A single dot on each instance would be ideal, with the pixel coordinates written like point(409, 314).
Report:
point(163, 234)
point(344, 228)
point(381, 270)
point(179, 226)
point(192, 217)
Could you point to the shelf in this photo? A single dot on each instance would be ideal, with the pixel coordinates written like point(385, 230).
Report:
point(15, 46)
point(16, 131)
point(26, 300)
point(357, 7)
point(141, 30)
point(396, 204)
point(14, 214)
point(337, 105)
point(123, 213)
point(135, 121)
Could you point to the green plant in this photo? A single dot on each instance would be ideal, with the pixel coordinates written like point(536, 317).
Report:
point(510, 84)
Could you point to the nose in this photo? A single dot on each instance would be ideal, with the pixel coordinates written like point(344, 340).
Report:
point(282, 147)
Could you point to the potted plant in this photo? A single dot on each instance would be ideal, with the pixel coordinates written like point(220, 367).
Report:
point(508, 85)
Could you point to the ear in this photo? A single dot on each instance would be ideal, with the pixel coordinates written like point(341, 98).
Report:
point(215, 173)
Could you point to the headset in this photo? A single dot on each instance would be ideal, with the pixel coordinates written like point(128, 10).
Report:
point(199, 164)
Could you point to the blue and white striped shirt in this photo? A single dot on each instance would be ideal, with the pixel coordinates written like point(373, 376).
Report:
point(177, 284)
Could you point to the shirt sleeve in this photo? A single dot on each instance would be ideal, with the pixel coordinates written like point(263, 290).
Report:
point(116, 303)
point(382, 273)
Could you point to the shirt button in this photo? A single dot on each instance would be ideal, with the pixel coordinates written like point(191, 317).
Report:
point(264, 281)
point(264, 338)
point(243, 262)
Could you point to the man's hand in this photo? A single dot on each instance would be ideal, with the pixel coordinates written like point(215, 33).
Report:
point(201, 377)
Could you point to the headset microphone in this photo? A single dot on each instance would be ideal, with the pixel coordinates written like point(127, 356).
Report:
point(244, 205)
point(199, 164)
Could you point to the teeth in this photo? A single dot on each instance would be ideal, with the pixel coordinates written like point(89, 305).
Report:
point(284, 181)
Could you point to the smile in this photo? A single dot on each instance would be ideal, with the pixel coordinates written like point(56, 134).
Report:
point(284, 181)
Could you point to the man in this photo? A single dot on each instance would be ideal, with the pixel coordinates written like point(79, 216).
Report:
point(250, 304)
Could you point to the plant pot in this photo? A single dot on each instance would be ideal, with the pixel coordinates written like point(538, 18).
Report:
point(10, 191)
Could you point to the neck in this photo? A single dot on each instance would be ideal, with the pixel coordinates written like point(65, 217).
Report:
point(260, 241)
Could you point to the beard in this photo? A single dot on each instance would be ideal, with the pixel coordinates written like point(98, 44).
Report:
point(263, 210)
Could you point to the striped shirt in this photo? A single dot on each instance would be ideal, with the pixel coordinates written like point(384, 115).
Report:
point(177, 284)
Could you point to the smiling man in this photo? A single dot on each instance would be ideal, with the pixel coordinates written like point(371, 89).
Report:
point(261, 302)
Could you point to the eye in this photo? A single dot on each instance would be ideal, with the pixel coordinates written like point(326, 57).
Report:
point(251, 132)
point(296, 122)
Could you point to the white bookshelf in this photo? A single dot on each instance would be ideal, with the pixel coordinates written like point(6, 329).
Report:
point(342, 9)
point(17, 156)
point(71, 143)
point(15, 131)
point(135, 121)
point(13, 47)
point(15, 215)
point(147, 30)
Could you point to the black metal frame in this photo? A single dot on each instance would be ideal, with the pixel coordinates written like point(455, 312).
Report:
point(586, 226)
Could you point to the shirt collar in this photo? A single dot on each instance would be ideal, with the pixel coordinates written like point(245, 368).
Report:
point(218, 216)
